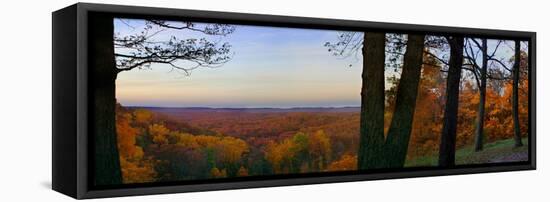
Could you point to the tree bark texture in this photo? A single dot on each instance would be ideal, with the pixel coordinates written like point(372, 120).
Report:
point(372, 102)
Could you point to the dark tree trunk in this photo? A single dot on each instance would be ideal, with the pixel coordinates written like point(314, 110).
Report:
point(399, 133)
point(515, 101)
point(480, 121)
point(448, 134)
point(102, 66)
point(372, 102)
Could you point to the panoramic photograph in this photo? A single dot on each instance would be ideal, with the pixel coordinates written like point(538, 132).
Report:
point(194, 101)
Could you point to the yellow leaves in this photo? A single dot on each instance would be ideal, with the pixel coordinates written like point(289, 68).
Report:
point(284, 155)
point(320, 149)
point(226, 149)
point(230, 149)
point(319, 144)
point(134, 168)
point(277, 154)
point(159, 133)
point(137, 171)
point(186, 140)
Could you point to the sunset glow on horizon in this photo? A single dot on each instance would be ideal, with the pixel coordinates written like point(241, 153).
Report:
point(270, 67)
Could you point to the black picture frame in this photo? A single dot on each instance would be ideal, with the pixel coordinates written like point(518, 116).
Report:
point(71, 172)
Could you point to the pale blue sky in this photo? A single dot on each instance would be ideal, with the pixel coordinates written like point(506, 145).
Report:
point(271, 67)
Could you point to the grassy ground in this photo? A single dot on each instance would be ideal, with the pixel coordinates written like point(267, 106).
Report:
point(498, 151)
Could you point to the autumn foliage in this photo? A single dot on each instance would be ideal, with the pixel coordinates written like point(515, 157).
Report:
point(159, 147)
point(136, 167)
point(171, 144)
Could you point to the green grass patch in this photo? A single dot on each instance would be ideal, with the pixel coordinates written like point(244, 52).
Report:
point(501, 150)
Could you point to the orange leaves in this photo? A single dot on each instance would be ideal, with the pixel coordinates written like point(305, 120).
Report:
point(134, 166)
point(126, 138)
point(499, 123)
point(142, 116)
point(345, 163)
point(173, 151)
point(498, 110)
point(428, 114)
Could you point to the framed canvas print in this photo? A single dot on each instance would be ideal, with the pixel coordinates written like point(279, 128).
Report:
point(154, 100)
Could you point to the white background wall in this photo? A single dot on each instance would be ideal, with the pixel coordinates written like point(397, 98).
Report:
point(25, 99)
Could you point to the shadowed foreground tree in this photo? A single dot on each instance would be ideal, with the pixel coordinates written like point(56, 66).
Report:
point(399, 132)
point(515, 97)
point(137, 51)
point(376, 151)
point(371, 127)
point(448, 134)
